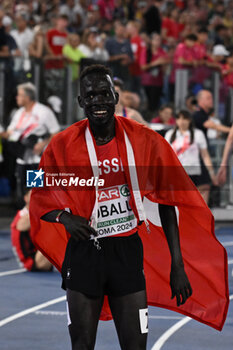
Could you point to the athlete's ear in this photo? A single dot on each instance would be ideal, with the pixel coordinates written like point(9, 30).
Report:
point(116, 97)
point(80, 101)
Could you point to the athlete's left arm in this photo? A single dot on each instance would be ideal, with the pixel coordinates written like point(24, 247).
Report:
point(179, 282)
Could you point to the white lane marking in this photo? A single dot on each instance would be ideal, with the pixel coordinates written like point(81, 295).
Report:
point(30, 310)
point(165, 317)
point(12, 272)
point(166, 335)
point(52, 313)
point(63, 313)
point(227, 244)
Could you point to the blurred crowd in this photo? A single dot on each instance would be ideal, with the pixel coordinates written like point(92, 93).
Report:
point(144, 43)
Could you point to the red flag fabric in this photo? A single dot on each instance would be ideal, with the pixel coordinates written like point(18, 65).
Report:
point(161, 179)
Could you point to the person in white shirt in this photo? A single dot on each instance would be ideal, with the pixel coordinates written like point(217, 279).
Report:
point(23, 36)
point(29, 132)
point(190, 147)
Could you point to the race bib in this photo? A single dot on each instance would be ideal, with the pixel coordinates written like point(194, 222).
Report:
point(115, 215)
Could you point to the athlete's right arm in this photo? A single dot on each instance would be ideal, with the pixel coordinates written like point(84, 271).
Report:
point(76, 225)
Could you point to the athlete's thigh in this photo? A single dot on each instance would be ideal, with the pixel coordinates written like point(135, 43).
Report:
point(130, 315)
point(84, 312)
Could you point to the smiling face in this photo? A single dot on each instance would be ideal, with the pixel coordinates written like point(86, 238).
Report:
point(98, 98)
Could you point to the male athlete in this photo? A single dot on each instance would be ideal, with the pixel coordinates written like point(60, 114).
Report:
point(120, 259)
point(104, 254)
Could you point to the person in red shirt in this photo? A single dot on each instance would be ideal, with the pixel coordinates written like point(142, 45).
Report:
point(56, 39)
point(106, 8)
point(165, 116)
point(137, 45)
point(202, 72)
point(184, 58)
point(152, 60)
point(26, 253)
point(171, 28)
point(227, 71)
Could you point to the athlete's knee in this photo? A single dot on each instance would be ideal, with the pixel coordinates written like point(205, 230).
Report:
point(81, 340)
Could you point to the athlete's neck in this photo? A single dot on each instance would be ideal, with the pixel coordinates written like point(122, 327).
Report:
point(103, 134)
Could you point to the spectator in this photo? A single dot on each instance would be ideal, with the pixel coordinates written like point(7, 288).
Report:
point(217, 10)
point(56, 38)
point(93, 45)
point(227, 20)
point(73, 54)
point(152, 60)
point(23, 36)
point(202, 71)
point(11, 43)
point(201, 44)
point(93, 18)
point(165, 116)
point(201, 116)
point(119, 10)
point(30, 130)
point(7, 54)
point(23, 247)
point(54, 73)
point(120, 52)
point(151, 17)
point(38, 47)
point(184, 57)
point(79, 16)
point(67, 9)
point(221, 35)
point(189, 145)
point(219, 54)
point(121, 109)
point(106, 8)
point(171, 27)
point(137, 45)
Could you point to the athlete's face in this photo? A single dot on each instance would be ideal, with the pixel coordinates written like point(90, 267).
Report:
point(98, 98)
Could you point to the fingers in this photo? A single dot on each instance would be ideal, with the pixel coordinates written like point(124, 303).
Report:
point(182, 295)
point(178, 299)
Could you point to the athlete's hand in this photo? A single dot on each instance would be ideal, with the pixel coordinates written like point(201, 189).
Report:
point(180, 285)
point(77, 226)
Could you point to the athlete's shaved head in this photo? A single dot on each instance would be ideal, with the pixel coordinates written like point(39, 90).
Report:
point(96, 69)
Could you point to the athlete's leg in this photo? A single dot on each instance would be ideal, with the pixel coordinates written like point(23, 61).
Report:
point(84, 315)
point(131, 319)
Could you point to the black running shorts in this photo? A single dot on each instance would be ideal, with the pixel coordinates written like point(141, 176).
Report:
point(116, 269)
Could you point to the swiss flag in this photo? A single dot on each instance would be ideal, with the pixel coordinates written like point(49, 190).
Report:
point(161, 179)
